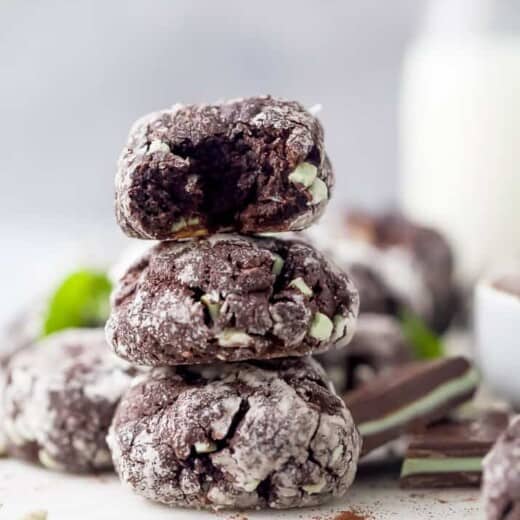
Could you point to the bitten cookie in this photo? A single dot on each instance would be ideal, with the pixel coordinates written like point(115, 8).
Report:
point(230, 298)
point(501, 487)
point(241, 435)
point(59, 399)
point(249, 165)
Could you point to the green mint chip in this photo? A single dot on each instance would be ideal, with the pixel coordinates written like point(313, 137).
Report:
point(82, 300)
point(425, 342)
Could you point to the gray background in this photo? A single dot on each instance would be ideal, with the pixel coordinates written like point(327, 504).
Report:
point(74, 75)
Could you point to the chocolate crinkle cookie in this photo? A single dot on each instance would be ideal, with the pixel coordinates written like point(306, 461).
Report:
point(230, 298)
point(249, 165)
point(415, 262)
point(22, 330)
point(59, 398)
point(379, 345)
point(501, 477)
point(236, 435)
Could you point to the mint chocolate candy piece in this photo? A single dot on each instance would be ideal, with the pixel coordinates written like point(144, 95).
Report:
point(450, 453)
point(409, 397)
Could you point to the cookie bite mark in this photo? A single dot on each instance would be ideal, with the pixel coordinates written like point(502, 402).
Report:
point(230, 298)
point(245, 435)
point(250, 165)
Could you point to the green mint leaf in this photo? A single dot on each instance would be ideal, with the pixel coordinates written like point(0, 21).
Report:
point(425, 343)
point(82, 300)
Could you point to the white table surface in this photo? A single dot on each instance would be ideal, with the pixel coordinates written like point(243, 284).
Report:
point(374, 496)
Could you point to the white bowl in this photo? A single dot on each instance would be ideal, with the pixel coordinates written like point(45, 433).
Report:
point(497, 328)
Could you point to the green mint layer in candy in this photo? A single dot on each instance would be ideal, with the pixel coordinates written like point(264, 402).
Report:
point(82, 300)
point(425, 343)
point(417, 466)
point(434, 400)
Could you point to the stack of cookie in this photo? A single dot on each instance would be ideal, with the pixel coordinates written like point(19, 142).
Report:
point(234, 413)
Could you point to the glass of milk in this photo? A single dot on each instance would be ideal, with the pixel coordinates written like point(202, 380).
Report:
point(460, 129)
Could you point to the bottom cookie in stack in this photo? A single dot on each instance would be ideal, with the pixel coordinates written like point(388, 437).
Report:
point(243, 435)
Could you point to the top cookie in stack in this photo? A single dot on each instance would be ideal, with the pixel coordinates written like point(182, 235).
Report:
point(249, 166)
point(246, 166)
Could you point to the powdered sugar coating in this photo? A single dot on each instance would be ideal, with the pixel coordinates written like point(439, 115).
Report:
point(18, 334)
point(197, 169)
point(59, 398)
point(501, 476)
point(241, 435)
point(230, 298)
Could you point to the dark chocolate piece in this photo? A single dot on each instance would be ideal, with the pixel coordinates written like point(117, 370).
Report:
point(249, 165)
point(59, 398)
point(230, 298)
point(449, 453)
point(412, 396)
point(235, 435)
point(378, 345)
point(501, 477)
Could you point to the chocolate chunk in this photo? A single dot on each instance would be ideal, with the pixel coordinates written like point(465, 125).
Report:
point(414, 395)
point(449, 453)
point(249, 165)
point(230, 298)
point(378, 345)
point(236, 435)
point(501, 477)
point(59, 398)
